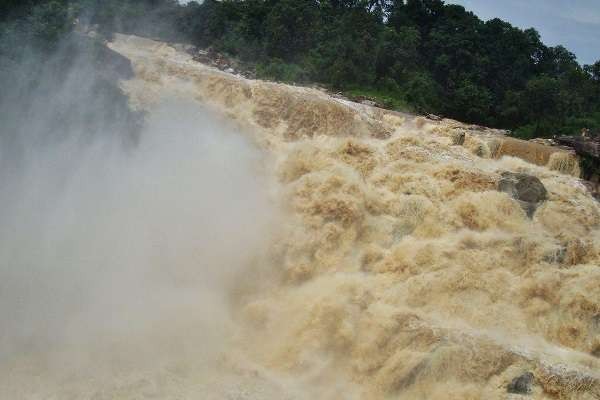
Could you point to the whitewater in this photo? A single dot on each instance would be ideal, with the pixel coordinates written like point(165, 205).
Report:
point(268, 241)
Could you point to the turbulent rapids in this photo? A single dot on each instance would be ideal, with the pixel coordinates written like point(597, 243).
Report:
point(392, 268)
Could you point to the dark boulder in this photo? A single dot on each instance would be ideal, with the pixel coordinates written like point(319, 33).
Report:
point(114, 63)
point(528, 190)
point(523, 187)
point(587, 145)
point(106, 62)
point(521, 384)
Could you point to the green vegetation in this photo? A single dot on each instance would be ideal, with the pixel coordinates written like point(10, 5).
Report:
point(278, 70)
point(421, 55)
point(383, 97)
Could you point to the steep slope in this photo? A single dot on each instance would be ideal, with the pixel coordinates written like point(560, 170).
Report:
point(399, 271)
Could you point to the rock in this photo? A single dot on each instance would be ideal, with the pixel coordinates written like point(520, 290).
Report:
point(596, 323)
point(434, 117)
point(478, 128)
point(528, 190)
point(542, 141)
point(458, 137)
point(596, 329)
point(184, 48)
point(521, 384)
point(114, 63)
point(114, 66)
point(584, 145)
point(370, 103)
point(593, 188)
point(524, 187)
point(556, 256)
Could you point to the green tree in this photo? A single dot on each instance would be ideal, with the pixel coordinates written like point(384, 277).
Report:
point(471, 102)
point(398, 53)
point(594, 71)
point(346, 52)
point(289, 28)
point(423, 93)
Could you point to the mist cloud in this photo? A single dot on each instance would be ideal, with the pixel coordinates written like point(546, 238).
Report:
point(102, 243)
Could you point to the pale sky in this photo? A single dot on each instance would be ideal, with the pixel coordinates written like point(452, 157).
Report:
point(573, 23)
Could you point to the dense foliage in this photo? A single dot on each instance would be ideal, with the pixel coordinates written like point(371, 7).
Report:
point(434, 57)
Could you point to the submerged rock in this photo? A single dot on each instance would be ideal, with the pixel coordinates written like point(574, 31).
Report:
point(521, 384)
point(528, 190)
point(556, 256)
point(523, 187)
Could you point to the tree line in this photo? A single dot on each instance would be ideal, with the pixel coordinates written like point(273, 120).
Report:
point(421, 55)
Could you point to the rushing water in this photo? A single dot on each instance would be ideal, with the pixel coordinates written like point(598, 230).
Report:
point(305, 248)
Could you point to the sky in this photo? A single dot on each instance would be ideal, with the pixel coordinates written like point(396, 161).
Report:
point(573, 23)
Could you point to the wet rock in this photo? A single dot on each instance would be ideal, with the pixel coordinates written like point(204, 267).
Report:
point(595, 350)
point(587, 145)
point(543, 141)
point(458, 137)
point(523, 187)
point(528, 190)
point(593, 188)
point(369, 103)
point(114, 64)
point(556, 256)
point(111, 65)
point(521, 384)
point(478, 128)
point(596, 323)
